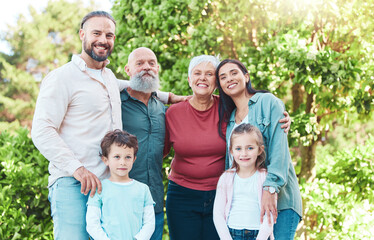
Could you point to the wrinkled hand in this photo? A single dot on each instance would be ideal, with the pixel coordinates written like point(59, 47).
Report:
point(269, 205)
point(177, 98)
point(287, 122)
point(88, 181)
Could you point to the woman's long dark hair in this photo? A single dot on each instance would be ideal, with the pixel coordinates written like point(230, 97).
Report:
point(226, 104)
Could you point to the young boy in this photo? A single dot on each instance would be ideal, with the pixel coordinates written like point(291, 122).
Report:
point(124, 209)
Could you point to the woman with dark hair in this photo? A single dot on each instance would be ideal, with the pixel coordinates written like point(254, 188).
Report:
point(199, 159)
point(240, 103)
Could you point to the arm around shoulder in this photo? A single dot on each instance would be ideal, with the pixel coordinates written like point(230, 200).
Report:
point(163, 96)
point(122, 84)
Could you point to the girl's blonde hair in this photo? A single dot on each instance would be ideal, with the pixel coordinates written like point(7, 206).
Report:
point(246, 128)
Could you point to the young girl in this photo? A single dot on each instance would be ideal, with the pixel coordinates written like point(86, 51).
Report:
point(124, 209)
point(237, 205)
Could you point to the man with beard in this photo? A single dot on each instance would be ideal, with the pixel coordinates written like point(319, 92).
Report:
point(77, 105)
point(144, 116)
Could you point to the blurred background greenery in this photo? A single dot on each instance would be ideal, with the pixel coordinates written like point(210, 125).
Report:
point(317, 56)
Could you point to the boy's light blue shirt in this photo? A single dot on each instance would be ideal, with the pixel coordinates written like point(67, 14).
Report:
point(265, 111)
point(122, 208)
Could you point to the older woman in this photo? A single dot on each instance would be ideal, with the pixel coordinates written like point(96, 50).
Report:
point(199, 160)
point(240, 103)
point(191, 128)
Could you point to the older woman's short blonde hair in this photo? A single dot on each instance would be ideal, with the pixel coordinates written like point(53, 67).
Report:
point(200, 59)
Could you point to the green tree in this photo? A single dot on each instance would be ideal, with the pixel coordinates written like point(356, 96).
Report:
point(317, 56)
point(18, 92)
point(339, 201)
point(174, 30)
point(38, 46)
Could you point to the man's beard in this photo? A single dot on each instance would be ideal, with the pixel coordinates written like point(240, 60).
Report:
point(146, 84)
point(92, 54)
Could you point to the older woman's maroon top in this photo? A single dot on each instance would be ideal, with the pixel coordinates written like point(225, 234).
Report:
point(200, 152)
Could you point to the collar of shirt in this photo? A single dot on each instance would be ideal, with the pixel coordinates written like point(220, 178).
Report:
point(77, 60)
point(125, 95)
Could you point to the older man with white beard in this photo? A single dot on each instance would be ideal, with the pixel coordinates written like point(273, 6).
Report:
point(144, 116)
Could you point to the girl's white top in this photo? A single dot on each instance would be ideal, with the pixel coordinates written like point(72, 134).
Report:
point(245, 211)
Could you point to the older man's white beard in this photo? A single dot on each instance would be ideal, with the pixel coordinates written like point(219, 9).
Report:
point(146, 84)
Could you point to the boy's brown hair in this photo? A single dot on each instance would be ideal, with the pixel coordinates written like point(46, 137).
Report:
point(120, 138)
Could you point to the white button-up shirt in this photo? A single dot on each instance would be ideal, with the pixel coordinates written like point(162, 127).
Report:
point(73, 113)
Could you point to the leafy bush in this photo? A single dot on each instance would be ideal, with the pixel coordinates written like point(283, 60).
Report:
point(339, 202)
point(24, 205)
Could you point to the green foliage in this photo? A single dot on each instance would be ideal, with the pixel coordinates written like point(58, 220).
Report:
point(304, 129)
point(317, 56)
point(283, 43)
point(18, 93)
point(50, 37)
point(339, 203)
point(24, 206)
point(39, 45)
point(175, 30)
point(166, 170)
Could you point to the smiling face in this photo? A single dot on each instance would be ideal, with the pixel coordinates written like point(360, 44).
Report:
point(202, 80)
point(232, 80)
point(97, 38)
point(245, 150)
point(120, 160)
